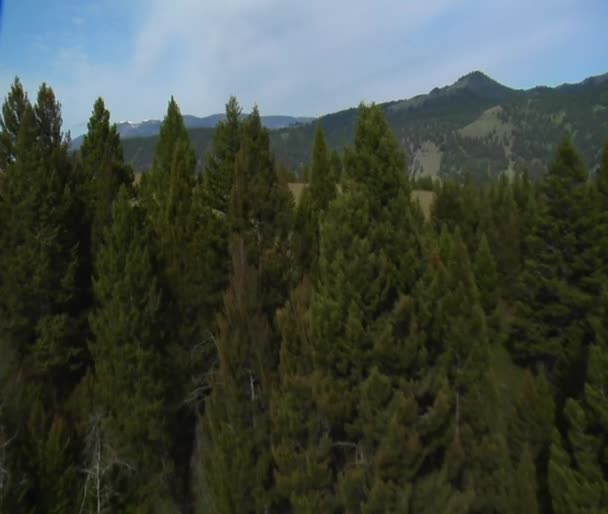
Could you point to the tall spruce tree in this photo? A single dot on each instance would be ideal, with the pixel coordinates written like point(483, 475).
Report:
point(578, 474)
point(104, 171)
point(219, 166)
point(301, 447)
point(130, 353)
point(261, 212)
point(40, 302)
point(556, 293)
point(360, 331)
point(236, 424)
point(315, 199)
point(41, 317)
point(485, 471)
point(505, 231)
point(183, 224)
point(530, 431)
point(13, 110)
point(486, 276)
point(525, 487)
point(236, 469)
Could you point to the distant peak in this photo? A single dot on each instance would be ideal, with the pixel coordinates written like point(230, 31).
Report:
point(480, 84)
point(475, 78)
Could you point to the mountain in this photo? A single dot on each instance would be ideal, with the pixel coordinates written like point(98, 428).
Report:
point(474, 125)
point(149, 128)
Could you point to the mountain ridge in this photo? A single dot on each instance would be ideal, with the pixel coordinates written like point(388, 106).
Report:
point(474, 125)
point(151, 127)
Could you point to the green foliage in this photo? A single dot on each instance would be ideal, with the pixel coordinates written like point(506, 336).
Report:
point(103, 170)
point(13, 110)
point(486, 276)
point(261, 212)
point(129, 350)
point(526, 494)
point(556, 292)
point(235, 432)
point(350, 359)
point(321, 190)
point(578, 478)
point(301, 449)
point(461, 127)
point(40, 300)
point(219, 166)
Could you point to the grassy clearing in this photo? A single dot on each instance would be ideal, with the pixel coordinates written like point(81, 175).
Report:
point(425, 200)
point(487, 124)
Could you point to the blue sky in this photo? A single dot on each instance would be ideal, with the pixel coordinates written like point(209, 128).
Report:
point(288, 56)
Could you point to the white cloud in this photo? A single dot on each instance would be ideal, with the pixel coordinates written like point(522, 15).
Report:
point(308, 57)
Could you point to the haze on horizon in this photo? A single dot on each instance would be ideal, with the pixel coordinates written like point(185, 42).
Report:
point(297, 58)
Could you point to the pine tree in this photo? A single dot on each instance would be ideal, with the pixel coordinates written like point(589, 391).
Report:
point(129, 349)
point(315, 199)
point(362, 320)
point(259, 216)
point(219, 167)
point(578, 478)
point(300, 446)
point(486, 276)
point(13, 110)
point(104, 170)
point(602, 173)
point(556, 292)
point(530, 430)
point(41, 304)
point(486, 466)
point(42, 317)
point(261, 212)
point(180, 218)
point(505, 230)
point(234, 435)
point(526, 489)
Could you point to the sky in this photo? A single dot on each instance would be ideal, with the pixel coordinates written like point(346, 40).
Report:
point(296, 57)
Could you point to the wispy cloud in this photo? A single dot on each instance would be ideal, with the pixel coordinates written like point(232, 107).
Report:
point(297, 57)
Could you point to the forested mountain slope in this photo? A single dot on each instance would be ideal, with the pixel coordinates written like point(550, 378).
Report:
point(475, 125)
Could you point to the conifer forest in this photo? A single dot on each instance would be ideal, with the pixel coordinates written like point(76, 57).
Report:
point(198, 339)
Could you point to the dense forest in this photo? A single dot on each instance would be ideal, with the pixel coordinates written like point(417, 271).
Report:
point(196, 341)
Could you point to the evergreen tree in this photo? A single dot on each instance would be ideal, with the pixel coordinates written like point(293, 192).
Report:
point(505, 231)
point(13, 110)
point(530, 431)
point(235, 432)
point(130, 353)
point(315, 199)
point(486, 276)
point(301, 447)
point(485, 471)
point(556, 292)
point(42, 318)
point(260, 221)
point(219, 167)
point(578, 477)
point(42, 313)
point(104, 171)
point(261, 212)
point(336, 167)
point(602, 173)
point(179, 215)
point(526, 489)
point(360, 332)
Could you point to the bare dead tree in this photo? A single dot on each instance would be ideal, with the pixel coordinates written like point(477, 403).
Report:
point(101, 461)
